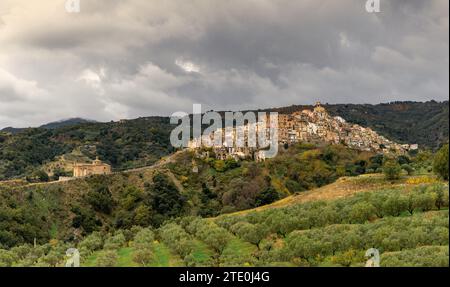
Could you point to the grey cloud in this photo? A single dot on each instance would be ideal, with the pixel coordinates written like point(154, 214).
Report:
point(250, 54)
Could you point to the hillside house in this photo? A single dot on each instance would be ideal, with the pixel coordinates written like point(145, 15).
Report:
point(96, 167)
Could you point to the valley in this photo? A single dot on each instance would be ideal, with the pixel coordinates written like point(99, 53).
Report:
point(317, 203)
point(403, 221)
point(113, 221)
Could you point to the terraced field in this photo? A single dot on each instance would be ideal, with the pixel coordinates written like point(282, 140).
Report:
point(406, 221)
point(345, 187)
point(163, 257)
point(331, 226)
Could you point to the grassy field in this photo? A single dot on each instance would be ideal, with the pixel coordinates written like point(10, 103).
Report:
point(163, 257)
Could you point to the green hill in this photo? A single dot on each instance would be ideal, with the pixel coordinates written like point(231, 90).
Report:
point(311, 205)
point(407, 222)
point(143, 141)
point(151, 195)
point(124, 145)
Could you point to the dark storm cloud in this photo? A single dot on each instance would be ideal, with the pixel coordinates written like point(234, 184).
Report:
point(120, 59)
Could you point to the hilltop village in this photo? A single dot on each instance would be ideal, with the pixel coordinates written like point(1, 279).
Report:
point(313, 126)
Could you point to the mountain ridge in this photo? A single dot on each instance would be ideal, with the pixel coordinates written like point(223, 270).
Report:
point(141, 142)
point(51, 125)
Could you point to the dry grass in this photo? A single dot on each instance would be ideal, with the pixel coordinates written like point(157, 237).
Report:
point(343, 187)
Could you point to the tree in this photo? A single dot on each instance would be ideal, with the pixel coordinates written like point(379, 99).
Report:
point(131, 197)
point(100, 199)
point(142, 215)
point(267, 196)
point(394, 205)
point(85, 218)
point(91, 242)
point(440, 163)
point(301, 245)
point(408, 169)
point(376, 162)
point(347, 258)
point(250, 232)
point(165, 197)
point(143, 256)
point(219, 165)
point(231, 163)
point(59, 172)
point(6, 258)
point(107, 258)
point(116, 241)
point(403, 159)
point(391, 169)
point(377, 199)
point(51, 259)
point(441, 195)
point(281, 224)
point(361, 212)
point(41, 176)
point(213, 235)
point(144, 238)
point(425, 201)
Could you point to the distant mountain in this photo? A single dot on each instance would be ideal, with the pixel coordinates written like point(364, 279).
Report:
point(66, 123)
point(12, 130)
point(52, 125)
point(139, 142)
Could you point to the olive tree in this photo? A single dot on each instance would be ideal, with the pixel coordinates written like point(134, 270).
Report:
point(440, 162)
point(107, 258)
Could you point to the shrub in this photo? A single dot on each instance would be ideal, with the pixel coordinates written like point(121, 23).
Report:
point(107, 258)
point(391, 170)
point(144, 238)
point(440, 163)
point(408, 169)
point(6, 258)
point(116, 241)
point(143, 256)
point(267, 196)
point(92, 242)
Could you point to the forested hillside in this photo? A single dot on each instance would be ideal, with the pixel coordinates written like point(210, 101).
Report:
point(184, 186)
point(331, 199)
point(407, 223)
point(142, 141)
point(127, 144)
point(150, 196)
point(52, 125)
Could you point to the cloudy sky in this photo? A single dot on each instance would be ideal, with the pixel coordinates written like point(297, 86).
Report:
point(125, 59)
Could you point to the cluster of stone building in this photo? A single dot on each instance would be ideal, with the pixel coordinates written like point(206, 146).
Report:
point(313, 126)
point(318, 126)
point(223, 151)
